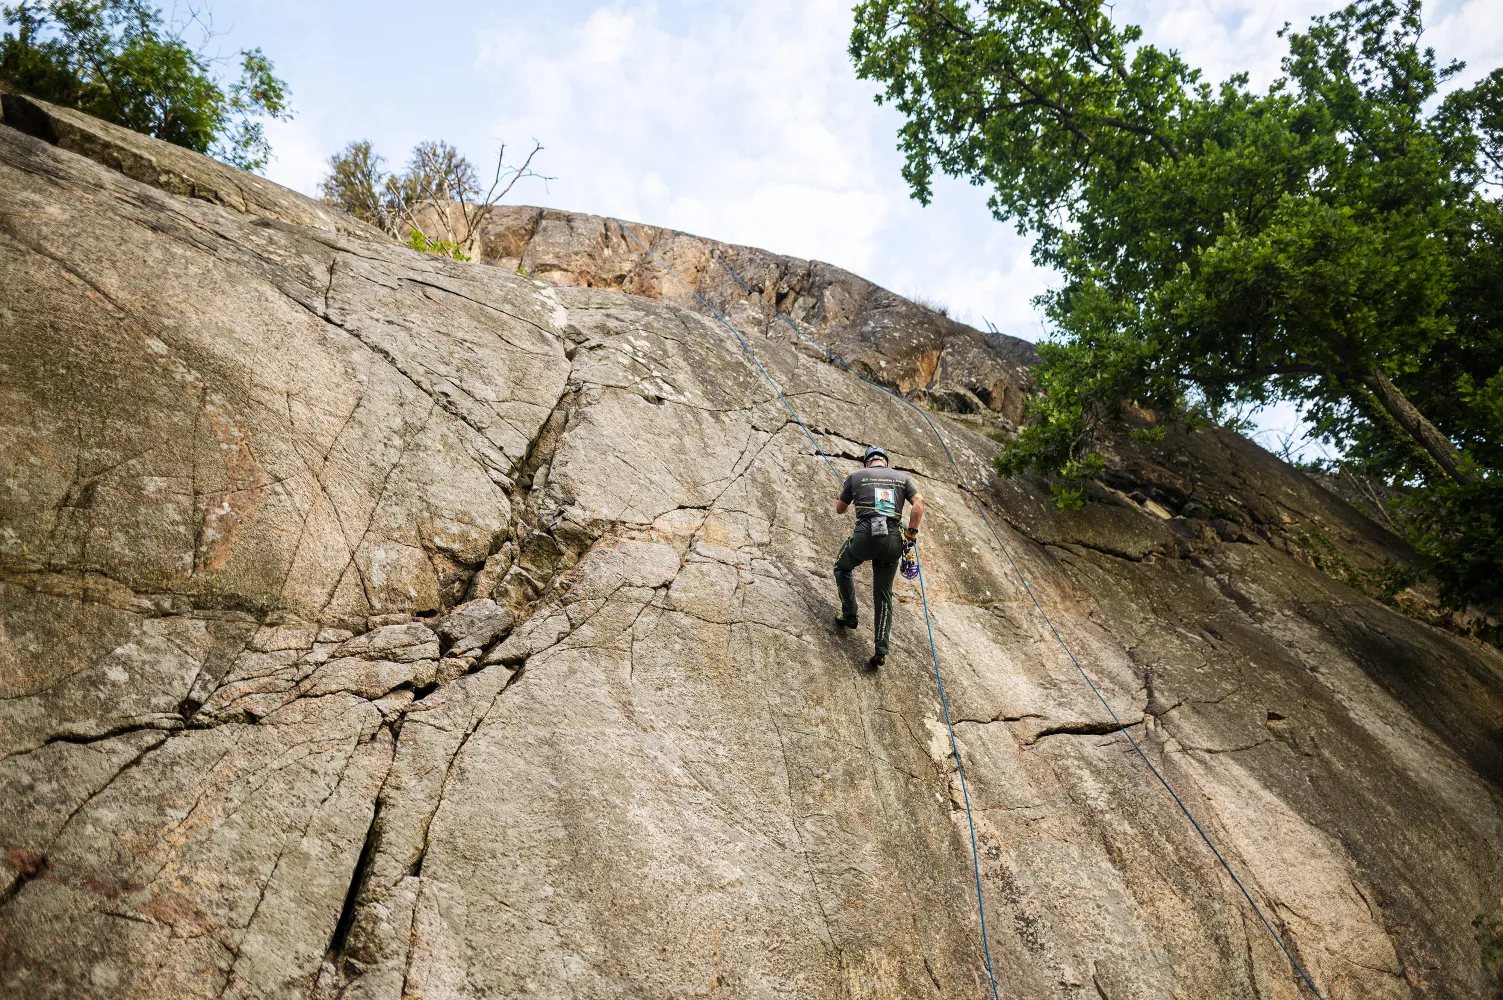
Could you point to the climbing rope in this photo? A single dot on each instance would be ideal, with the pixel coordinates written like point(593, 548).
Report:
point(981, 509)
point(965, 485)
point(923, 594)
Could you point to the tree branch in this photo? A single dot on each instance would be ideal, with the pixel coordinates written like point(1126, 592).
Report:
point(1402, 416)
point(1257, 374)
point(492, 198)
point(1414, 423)
point(1065, 116)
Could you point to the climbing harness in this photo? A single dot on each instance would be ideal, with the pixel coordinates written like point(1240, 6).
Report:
point(965, 486)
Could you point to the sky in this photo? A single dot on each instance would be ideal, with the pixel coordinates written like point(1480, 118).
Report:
point(739, 121)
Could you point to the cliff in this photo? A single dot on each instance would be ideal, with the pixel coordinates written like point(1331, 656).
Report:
point(902, 344)
point(377, 625)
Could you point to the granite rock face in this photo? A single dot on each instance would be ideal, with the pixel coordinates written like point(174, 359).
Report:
point(901, 344)
point(375, 625)
point(171, 168)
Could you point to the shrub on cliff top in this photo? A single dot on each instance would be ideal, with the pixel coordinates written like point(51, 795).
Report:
point(436, 203)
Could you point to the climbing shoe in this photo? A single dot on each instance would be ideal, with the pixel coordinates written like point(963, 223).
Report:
point(846, 623)
point(875, 662)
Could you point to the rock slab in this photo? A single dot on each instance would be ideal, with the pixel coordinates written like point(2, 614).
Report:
point(376, 625)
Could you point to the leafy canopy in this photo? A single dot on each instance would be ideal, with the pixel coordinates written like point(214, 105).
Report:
point(118, 60)
point(1335, 240)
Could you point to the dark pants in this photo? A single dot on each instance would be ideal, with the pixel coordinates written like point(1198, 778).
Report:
point(883, 552)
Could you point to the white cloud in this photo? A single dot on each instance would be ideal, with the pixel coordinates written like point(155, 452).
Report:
point(748, 125)
point(1223, 37)
point(299, 157)
point(606, 36)
point(740, 122)
point(1471, 31)
point(745, 125)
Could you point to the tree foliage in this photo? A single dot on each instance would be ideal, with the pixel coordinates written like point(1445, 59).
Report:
point(118, 60)
point(438, 190)
point(1334, 240)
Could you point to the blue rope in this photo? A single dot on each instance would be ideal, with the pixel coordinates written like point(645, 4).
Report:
point(970, 821)
point(923, 594)
point(980, 509)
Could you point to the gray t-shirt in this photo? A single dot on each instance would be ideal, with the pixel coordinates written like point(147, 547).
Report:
point(877, 492)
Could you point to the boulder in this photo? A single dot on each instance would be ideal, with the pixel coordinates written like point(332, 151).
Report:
point(904, 345)
point(471, 627)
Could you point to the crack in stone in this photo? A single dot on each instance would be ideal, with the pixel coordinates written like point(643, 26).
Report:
point(1082, 729)
point(799, 837)
point(487, 305)
point(1219, 750)
point(128, 765)
point(37, 868)
point(334, 953)
point(288, 845)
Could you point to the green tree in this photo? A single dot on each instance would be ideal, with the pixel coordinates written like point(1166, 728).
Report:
point(118, 60)
point(1334, 240)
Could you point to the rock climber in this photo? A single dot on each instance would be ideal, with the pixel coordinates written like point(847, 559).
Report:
point(878, 494)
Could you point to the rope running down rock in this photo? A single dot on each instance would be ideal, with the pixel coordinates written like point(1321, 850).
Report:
point(980, 509)
point(923, 594)
point(965, 486)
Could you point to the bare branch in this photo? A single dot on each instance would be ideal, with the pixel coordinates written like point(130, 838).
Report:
point(492, 197)
point(1257, 374)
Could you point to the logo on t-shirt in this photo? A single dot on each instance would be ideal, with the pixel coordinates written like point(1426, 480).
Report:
point(886, 502)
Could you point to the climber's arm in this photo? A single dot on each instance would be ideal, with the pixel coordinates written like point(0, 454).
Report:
point(841, 506)
point(918, 512)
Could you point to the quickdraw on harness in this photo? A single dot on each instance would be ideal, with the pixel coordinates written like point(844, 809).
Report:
point(908, 565)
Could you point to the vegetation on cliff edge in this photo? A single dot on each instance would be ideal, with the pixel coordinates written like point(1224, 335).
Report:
point(435, 203)
point(119, 61)
point(1335, 240)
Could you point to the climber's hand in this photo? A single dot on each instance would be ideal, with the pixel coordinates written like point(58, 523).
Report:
point(910, 535)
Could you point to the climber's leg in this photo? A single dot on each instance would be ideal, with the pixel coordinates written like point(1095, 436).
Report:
point(845, 564)
point(888, 551)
